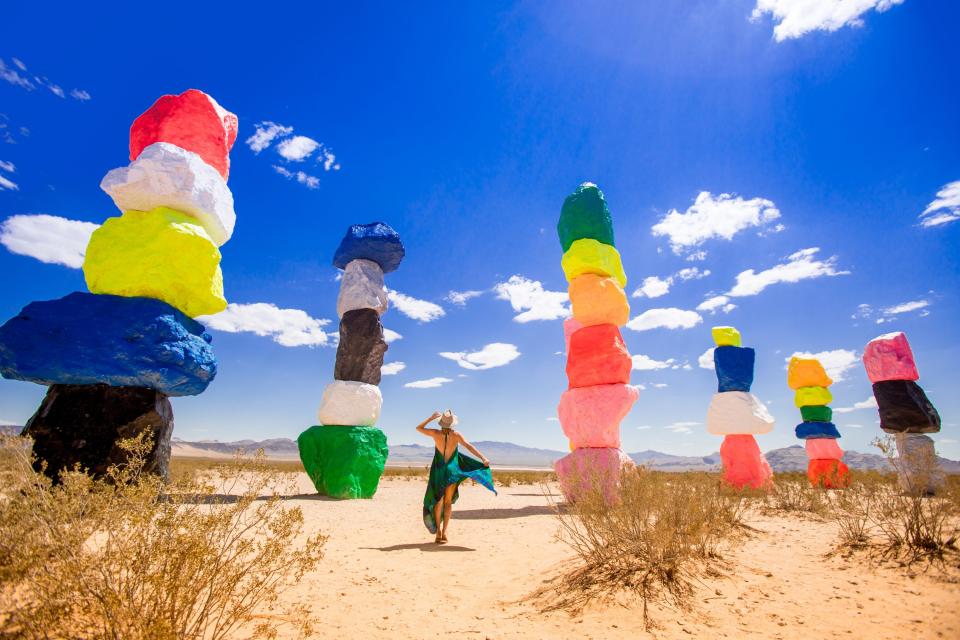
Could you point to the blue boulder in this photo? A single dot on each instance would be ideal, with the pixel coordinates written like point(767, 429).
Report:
point(86, 338)
point(806, 430)
point(375, 241)
point(734, 368)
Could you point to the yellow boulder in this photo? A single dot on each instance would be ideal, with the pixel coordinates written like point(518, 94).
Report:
point(589, 256)
point(726, 336)
point(162, 254)
point(807, 372)
point(812, 397)
point(598, 300)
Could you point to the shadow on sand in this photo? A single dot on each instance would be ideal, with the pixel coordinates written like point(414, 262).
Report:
point(502, 514)
point(422, 546)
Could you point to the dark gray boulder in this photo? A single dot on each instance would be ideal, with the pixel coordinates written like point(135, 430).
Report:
point(362, 347)
point(82, 424)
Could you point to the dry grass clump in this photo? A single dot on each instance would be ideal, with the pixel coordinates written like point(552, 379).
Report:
point(509, 478)
point(407, 473)
point(130, 557)
point(792, 493)
point(664, 533)
point(900, 522)
point(187, 467)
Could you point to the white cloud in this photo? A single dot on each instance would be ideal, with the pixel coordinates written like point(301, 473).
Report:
point(49, 239)
point(297, 148)
point(721, 216)
point(553, 419)
point(6, 183)
point(496, 354)
point(389, 335)
point(869, 403)
point(681, 427)
point(420, 310)
point(429, 383)
point(669, 318)
point(905, 307)
point(653, 287)
point(264, 134)
point(836, 362)
point(692, 273)
point(392, 368)
point(801, 265)
point(946, 208)
point(13, 77)
point(646, 363)
point(80, 94)
point(19, 64)
point(716, 303)
point(706, 359)
point(532, 299)
point(460, 298)
point(287, 327)
point(852, 426)
point(795, 18)
point(311, 182)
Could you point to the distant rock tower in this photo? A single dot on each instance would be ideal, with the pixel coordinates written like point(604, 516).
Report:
point(598, 363)
point(738, 415)
point(904, 410)
point(113, 356)
point(810, 382)
point(345, 455)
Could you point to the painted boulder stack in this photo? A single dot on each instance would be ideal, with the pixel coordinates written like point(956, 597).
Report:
point(737, 414)
point(345, 454)
point(904, 410)
point(114, 356)
point(598, 368)
point(810, 383)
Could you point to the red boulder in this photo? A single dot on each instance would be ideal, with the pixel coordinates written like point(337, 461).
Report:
point(597, 355)
point(192, 121)
point(829, 474)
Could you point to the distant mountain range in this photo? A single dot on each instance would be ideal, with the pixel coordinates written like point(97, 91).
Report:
point(506, 454)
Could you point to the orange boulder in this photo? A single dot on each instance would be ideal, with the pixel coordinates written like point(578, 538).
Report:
point(598, 300)
point(829, 474)
point(807, 372)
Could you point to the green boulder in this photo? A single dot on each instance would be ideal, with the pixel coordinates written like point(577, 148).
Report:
point(816, 413)
point(585, 215)
point(344, 462)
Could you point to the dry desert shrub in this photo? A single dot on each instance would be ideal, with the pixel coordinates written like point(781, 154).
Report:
point(792, 493)
point(407, 473)
point(664, 533)
point(898, 523)
point(509, 478)
point(130, 557)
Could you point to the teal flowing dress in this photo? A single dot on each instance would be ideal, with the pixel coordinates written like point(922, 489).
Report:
point(454, 471)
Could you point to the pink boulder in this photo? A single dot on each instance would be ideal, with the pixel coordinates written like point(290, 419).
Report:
point(743, 464)
point(597, 355)
point(587, 470)
point(888, 357)
point(590, 416)
point(570, 325)
point(823, 449)
point(192, 121)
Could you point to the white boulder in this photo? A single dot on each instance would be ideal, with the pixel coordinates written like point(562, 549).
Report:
point(737, 412)
point(164, 175)
point(362, 288)
point(349, 403)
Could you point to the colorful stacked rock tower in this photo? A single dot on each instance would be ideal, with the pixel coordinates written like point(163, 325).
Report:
point(737, 414)
point(598, 364)
point(113, 356)
point(810, 382)
point(345, 454)
point(904, 410)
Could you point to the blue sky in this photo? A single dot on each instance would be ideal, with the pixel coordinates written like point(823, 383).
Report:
point(794, 174)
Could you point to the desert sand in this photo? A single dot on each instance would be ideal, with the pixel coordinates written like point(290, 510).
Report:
point(383, 577)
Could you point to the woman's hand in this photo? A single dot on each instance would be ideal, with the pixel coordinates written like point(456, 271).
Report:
point(434, 416)
point(485, 462)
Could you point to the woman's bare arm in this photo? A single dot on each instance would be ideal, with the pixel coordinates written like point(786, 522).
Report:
point(472, 449)
point(422, 427)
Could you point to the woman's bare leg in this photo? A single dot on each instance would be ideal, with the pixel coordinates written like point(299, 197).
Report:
point(437, 514)
point(447, 508)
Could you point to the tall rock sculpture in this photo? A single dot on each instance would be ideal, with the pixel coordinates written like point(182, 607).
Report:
point(112, 357)
point(345, 454)
point(598, 363)
point(737, 414)
point(810, 382)
point(904, 410)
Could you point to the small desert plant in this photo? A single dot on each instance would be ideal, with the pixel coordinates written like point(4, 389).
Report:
point(854, 509)
point(128, 556)
point(654, 541)
point(793, 493)
point(509, 478)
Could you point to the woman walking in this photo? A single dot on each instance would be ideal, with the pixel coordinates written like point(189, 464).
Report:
point(448, 470)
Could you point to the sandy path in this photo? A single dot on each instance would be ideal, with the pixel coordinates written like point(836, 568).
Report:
point(382, 577)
